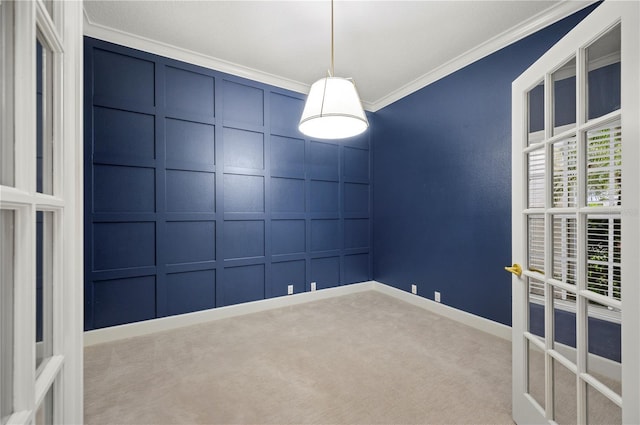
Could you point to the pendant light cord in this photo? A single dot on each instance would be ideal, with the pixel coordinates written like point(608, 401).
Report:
point(331, 73)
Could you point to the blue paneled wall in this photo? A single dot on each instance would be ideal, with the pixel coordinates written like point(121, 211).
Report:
point(200, 192)
point(442, 182)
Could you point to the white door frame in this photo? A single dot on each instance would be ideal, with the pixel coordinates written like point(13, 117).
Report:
point(627, 12)
point(62, 369)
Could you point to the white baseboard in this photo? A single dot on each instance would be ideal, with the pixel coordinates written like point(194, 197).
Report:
point(146, 327)
point(598, 364)
point(130, 330)
point(477, 322)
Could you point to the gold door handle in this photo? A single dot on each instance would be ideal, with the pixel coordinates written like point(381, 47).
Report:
point(515, 269)
point(533, 269)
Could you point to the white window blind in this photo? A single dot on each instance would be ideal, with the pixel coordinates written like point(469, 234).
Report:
point(535, 165)
point(536, 243)
point(565, 173)
point(603, 231)
point(565, 255)
point(603, 250)
point(604, 166)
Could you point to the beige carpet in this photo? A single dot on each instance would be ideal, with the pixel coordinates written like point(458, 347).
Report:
point(364, 358)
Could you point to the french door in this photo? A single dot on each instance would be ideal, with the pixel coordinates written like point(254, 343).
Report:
point(576, 225)
point(40, 212)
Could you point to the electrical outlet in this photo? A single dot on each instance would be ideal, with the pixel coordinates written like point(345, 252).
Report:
point(437, 296)
point(414, 289)
point(313, 286)
point(289, 289)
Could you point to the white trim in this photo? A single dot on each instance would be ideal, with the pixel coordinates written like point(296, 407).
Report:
point(63, 369)
point(20, 418)
point(7, 244)
point(48, 29)
point(72, 319)
point(127, 39)
point(7, 149)
point(598, 364)
point(598, 312)
point(130, 330)
point(568, 72)
point(630, 211)
point(115, 333)
point(50, 369)
point(476, 322)
point(25, 217)
point(603, 19)
point(534, 24)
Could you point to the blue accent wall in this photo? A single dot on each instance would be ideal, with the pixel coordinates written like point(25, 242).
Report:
point(442, 182)
point(200, 192)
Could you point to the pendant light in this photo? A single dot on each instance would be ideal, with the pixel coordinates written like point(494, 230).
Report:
point(333, 109)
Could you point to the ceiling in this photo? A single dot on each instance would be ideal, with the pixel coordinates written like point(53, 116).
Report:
point(390, 48)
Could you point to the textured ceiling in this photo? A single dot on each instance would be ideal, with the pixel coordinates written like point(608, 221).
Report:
point(388, 47)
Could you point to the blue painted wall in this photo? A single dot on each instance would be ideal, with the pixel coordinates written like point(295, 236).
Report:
point(201, 192)
point(442, 182)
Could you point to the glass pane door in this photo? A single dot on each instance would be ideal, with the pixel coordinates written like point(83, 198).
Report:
point(569, 221)
point(40, 167)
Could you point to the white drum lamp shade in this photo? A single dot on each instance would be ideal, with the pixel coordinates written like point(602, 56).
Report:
point(333, 110)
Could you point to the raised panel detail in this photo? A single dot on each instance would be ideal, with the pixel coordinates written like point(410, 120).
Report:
point(288, 236)
point(325, 272)
point(356, 268)
point(287, 157)
point(287, 195)
point(190, 191)
point(356, 233)
point(123, 79)
point(323, 161)
point(191, 291)
point(190, 241)
point(123, 245)
point(123, 189)
point(243, 193)
point(324, 196)
point(286, 112)
point(356, 164)
point(325, 235)
point(243, 149)
point(201, 192)
point(356, 198)
point(189, 92)
point(287, 273)
point(243, 103)
point(243, 238)
point(243, 284)
point(123, 134)
point(190, 142)
point(120, 301)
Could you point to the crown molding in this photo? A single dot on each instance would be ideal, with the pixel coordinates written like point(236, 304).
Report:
point(536, 23)
point(510, 36)
point(127, 39)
